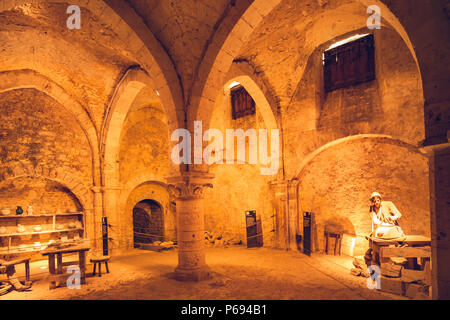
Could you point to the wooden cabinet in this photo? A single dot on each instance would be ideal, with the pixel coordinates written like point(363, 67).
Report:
point(31, 238)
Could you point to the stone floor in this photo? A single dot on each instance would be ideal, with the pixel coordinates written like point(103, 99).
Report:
point(238, 273)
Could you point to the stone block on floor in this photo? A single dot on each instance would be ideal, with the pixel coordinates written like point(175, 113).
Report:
point(417, 291)
point(391, 285)
point(391, 270)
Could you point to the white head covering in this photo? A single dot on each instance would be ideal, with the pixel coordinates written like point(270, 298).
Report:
point(375, 194)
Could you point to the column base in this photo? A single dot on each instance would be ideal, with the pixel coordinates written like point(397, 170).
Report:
point(198, 274)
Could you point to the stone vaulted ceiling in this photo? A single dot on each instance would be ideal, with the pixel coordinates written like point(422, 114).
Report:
point(183, 29)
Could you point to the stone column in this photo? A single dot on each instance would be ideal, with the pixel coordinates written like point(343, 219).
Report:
point(188, 191)
point(282, 220)
point(292, 206)
point(98, 214)
point(439, 161)
point(111, 210)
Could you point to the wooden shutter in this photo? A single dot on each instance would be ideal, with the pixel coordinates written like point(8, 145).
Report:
point(242, 103)
point(349, 64)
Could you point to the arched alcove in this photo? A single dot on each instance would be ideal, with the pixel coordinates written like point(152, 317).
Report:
point(148, 222)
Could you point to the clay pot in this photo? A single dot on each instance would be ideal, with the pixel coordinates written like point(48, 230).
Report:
point(30, 210)
point(19, 210)
point(6, 211)
point(20, 228)
point(2, 230)
point(72, 225)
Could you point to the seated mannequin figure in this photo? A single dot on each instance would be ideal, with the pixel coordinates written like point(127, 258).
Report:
point(384, 216)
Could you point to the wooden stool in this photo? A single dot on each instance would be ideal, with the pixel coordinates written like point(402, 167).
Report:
point(337, 242)
point(99, 260)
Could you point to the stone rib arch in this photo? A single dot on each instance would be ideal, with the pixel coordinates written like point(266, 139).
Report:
point(130, 85)
point(21, 79)
point(146, 190)
point(259, 97)
point(378, 137)
point(221, 52)
point(62, 175)
point(133, 32)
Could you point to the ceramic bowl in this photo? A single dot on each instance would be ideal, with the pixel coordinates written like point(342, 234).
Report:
point(6, 211)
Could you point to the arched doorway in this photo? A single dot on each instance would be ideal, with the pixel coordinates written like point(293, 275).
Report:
point(148, 223)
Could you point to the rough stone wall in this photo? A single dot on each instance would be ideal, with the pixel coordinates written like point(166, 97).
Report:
point(389, 105)
point(337, 183)
point(85, 62)
point(237, 187)
point(42, 194)
point(144, 145)
point(37, 130)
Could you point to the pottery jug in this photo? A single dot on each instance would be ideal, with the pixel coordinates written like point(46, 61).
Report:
point(19, 210)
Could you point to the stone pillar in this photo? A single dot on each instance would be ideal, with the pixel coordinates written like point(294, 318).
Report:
point(292, 205)
point(188, 191)
point(439, 160)
point(98, 214)
point(282, 220)
point(111, 210)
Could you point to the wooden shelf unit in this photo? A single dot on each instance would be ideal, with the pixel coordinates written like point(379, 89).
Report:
point(9, 249)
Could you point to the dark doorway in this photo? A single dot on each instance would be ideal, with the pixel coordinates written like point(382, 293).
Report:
point(148, 224)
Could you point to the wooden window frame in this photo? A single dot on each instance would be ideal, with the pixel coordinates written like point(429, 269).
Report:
point(349, 64)
point(242, 104)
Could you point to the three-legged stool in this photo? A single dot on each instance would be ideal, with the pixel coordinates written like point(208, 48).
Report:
point(99, 260)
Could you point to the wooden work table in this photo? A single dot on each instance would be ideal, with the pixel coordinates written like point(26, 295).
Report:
point(81, 249)
point(412, 248)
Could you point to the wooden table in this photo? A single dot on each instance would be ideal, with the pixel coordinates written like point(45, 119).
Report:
point(412, 248)
point(52, 252)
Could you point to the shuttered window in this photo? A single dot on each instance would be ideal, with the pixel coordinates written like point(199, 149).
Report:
point(242, 103)
point(349, 64)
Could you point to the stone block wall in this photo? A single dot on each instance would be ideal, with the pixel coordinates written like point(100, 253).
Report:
point(336, 186)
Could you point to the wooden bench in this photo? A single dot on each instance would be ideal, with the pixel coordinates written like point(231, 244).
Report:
point(99, 260)
point(13, 263)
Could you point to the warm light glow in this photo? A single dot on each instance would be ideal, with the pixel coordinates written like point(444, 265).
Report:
point(234, 84)
point(350, 39)
point(157, 93)
point(353, 246)
point(44, 267)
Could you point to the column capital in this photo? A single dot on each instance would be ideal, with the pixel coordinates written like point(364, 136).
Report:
point(189, 185)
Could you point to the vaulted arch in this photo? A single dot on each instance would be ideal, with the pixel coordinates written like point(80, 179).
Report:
point(20, 79)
